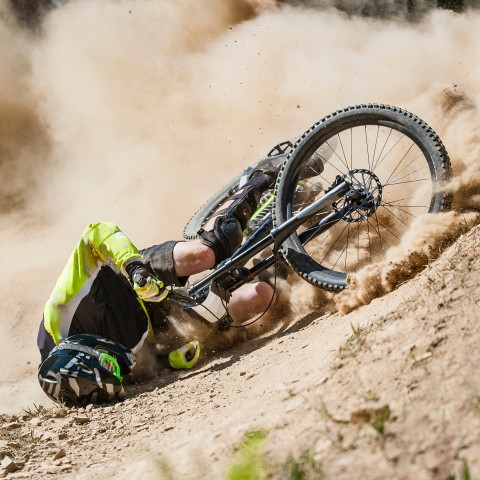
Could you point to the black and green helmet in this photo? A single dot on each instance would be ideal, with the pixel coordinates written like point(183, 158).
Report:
point(86, 369)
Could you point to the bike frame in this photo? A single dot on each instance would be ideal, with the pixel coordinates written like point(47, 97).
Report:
point(231, 274)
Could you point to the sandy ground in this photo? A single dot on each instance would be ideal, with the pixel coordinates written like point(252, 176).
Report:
point(388, 391)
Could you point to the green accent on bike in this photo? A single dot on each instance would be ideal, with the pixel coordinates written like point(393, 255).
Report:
point(186, 356)
point(110, 363)
point(267, 203)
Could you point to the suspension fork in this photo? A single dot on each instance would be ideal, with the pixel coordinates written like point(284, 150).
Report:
point(275, 237)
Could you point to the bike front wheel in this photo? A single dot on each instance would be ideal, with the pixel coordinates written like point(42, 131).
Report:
point(396, 163)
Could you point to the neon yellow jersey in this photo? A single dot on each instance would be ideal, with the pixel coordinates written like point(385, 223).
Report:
point(101, 243)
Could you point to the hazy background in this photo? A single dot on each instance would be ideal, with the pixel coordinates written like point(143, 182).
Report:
point(135, 111)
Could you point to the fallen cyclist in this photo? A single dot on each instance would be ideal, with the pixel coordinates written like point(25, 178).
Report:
point(109, 294)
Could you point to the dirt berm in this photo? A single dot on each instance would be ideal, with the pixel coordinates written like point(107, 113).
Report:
point(389, 391)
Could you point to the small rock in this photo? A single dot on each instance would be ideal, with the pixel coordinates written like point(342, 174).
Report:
point(11, 426)
point(108, 410)
point(9, 465)
point(60, 454)
point(423, 357)
point(60, 412)
point(243, 373)
point(52, 469)
point(322, 445)
point(40, 435)
point(458, 444)
point(89, 407)
point(35, 422)
point(323, 380)
point(346, 460)
point(80, 419)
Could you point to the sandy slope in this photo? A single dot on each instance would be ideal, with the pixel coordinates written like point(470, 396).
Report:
point(316, 386)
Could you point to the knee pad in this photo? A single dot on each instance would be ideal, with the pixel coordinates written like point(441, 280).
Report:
point(224, 239)
point(243, 206)
point(246, 201)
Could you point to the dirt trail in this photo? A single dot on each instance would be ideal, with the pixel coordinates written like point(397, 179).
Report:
point(393, 384)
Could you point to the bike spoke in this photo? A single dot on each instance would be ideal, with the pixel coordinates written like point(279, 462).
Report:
point(297, 206)
point(395, 205)
point(385, 228)
point(343, 151)
point(409, 181)
point(369, 244)
point(381, 152)
point(358, 242)
point(377, 230)
point(346, 248)
point(404, 211)
point(413, 161)
point(351, 149)
point(314, 233)
point(400, 162)
point(402, 199)
point(333, 244)
point(388, 153)
point(398, 218)
point(411, 173)
point(327, 162)
point(336, 154)
point(368, 152)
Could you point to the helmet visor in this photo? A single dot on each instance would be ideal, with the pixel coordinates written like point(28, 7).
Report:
point(110, 363)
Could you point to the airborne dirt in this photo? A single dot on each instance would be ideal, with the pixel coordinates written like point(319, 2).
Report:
point(94, 109)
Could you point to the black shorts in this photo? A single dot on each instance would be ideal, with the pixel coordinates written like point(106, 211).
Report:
point(159, 259)
point(110, 309)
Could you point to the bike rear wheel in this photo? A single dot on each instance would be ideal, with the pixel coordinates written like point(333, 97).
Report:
point(390, 156)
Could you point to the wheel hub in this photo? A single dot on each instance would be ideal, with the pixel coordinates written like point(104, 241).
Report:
point(363, 199)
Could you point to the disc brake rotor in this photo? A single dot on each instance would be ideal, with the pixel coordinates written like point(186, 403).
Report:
point(364, 197)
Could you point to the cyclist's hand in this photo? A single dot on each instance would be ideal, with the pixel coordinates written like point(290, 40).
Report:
point(146, 285)
point(152, 289)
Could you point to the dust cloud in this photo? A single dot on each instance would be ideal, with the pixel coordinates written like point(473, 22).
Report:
point(136, 111)
point(429, 235)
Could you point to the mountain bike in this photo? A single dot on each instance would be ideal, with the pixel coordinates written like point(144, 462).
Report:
point(347, 190)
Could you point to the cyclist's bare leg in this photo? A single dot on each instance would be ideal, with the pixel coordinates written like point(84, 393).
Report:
point(192, 257)
point(250, 300)
point(245, 303)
